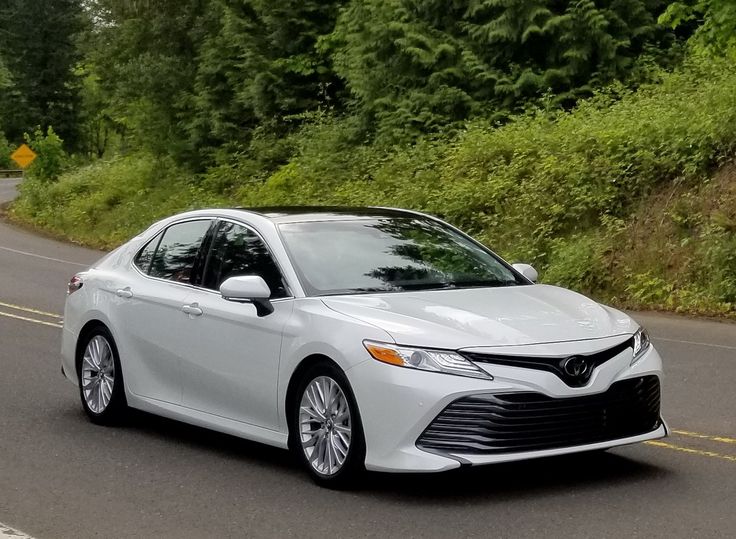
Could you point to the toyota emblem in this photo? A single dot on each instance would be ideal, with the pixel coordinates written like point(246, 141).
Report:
point(576, 366)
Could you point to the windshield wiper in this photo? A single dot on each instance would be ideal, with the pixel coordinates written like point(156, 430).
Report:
point(425, 286)
point(484, 284)
point(349, 291)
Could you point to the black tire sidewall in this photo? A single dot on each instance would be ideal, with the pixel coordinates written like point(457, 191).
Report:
point(354, 465)
point(113, 413)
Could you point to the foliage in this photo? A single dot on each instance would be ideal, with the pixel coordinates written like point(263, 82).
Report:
point(51, 160)
point(5, 151)
point(198, 80)
point(718, 29)
point(417, 65)
point(258, 66)
point(141, 58)
point(37, 44)
point(98, 131)
point(108, 201)
point(5, 77)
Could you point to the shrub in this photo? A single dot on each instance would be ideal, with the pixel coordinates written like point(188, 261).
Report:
point(51, 160)
point(5, 151)
point(105, 203)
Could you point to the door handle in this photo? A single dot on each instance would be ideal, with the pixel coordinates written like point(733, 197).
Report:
point(124, 292)
point(192, 309)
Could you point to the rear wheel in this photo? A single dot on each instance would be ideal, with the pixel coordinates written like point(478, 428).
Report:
point(100, 378)
point(327, 434)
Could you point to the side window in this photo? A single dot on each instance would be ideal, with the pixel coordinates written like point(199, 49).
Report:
point(237, 250)
point(177, 253)
point(143, 258)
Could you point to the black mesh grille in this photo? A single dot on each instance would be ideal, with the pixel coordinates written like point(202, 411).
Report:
point(554, 365)
point(516, 422)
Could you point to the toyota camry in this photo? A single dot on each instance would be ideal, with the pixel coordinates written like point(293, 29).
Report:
point(359, 338)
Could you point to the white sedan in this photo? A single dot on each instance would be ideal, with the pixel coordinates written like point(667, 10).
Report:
point(360, 338)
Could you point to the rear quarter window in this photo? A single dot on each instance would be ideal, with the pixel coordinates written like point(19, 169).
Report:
point(144, 257)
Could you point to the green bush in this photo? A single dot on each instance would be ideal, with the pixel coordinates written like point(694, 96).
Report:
point(5, 151)
point(52, 160)
point(105, 203)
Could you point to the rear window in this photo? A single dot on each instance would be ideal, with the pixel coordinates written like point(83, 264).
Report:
point(174, 256)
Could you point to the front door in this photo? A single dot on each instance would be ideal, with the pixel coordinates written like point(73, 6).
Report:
point(232, 361)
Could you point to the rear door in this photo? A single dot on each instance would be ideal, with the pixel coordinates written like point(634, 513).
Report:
point(149, 310)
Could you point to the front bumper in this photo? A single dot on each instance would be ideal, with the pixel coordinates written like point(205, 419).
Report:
point(397, 405)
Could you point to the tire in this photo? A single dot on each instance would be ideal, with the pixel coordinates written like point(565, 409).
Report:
point(101, 390)
point(327, 461)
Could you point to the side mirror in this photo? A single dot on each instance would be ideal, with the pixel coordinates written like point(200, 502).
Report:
point(527, 271)
point(248, 289)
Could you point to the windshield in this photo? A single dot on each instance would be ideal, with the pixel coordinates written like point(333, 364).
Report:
point(389, 255)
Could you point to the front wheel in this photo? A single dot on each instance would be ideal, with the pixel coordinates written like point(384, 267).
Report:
point(327, 433)
point(101, 378)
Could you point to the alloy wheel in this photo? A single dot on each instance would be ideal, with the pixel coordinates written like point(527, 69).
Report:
point(325, 426)
point(98, 374)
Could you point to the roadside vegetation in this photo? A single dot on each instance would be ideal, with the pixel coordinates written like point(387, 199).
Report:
point(594, 140)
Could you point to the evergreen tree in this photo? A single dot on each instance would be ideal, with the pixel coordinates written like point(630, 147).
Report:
point(5, 79)
point(260, 65)
point(414, 65)
point(406, 73)
point(143, 58)
point(37, 42)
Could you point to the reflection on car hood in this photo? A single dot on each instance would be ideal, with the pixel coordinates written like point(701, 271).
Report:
point(517, 315)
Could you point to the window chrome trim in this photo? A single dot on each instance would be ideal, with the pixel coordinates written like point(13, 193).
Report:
point(269, 250)
point(214, 219)
point(163, 233)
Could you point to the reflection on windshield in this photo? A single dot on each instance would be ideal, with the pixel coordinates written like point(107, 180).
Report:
point(388, 255)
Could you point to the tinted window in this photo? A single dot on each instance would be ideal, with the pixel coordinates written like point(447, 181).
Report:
point(389, 255)
point(176, 254)
point(236, 250)
point(145, 255)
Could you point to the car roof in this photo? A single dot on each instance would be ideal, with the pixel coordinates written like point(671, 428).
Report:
point(294, 214)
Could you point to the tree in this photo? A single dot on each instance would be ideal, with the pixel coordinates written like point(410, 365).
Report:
point(5, 80)
point(416, 65)
point(403, 65)
point(259, 65)
point(141, 57)
point(718, 30)
point(37, 42)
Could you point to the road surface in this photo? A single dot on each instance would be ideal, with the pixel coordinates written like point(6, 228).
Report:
point(62, 477)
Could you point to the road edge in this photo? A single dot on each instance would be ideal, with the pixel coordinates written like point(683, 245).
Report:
point(6, 532)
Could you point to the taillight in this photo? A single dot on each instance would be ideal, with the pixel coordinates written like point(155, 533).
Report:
point(74, 284)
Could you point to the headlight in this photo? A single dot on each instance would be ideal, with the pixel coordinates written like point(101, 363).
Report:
point(641, 344)
point(426, 360)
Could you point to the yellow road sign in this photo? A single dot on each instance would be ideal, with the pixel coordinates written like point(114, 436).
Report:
point(24, 156)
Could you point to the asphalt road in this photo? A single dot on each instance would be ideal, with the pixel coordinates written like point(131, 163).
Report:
point(61, 476)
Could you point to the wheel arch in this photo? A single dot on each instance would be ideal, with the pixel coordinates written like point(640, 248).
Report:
point(297, 375)
point(86, 330)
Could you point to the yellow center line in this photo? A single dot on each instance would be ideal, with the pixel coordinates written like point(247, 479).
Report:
point(722, 439)
point(26, 319)
point(28, 310)
point(700, 452)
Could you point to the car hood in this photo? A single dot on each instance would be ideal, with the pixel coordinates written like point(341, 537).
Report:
point(466, 318)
